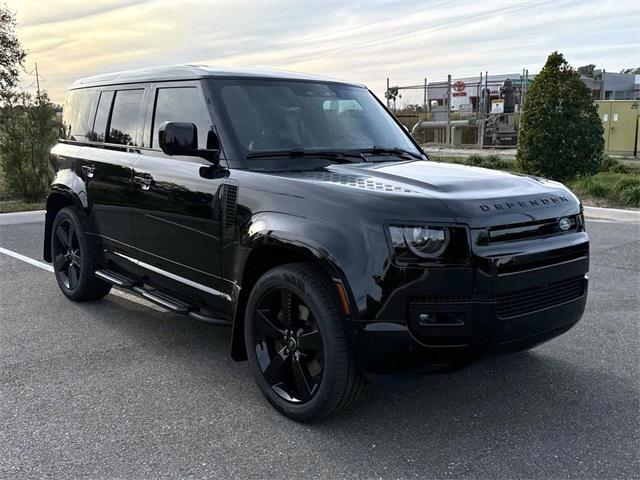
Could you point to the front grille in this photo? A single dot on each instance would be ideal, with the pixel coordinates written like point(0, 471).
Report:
point(533, 229)
point(527, 301)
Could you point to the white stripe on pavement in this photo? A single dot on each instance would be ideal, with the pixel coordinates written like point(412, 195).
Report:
point(114, 291)
point(31, 261)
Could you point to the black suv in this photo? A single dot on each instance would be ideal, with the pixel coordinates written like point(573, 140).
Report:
point(298, 211)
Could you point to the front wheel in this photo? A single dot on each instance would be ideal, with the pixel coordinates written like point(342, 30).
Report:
point(74, 257)
point(297, 345)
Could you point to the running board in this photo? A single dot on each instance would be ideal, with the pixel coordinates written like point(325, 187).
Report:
point(166, 301)
point(163, 300)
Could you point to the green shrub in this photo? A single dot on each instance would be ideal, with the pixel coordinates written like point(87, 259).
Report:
point(620, 168)
point(627, 183)
point(631, 196)
point(608, 164)
point(593, 187)
point(560, 134)
point(28, 130)
point(497, 163)
point(474, 160)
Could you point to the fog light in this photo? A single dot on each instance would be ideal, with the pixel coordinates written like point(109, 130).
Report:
point(425, 319)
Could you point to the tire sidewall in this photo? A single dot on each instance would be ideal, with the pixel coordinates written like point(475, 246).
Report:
point(321, 401)
point(86, 252)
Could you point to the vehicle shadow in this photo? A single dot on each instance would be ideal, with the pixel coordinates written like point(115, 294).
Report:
point(529, 407)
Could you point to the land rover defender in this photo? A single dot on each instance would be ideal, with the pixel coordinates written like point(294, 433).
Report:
point(298, 211)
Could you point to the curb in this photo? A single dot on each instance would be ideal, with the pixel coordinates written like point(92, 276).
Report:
point(22, 217)
point(614, 214)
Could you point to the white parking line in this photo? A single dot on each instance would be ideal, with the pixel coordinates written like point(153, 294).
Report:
point(114, 291)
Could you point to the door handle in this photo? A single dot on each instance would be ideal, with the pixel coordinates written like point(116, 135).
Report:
point(88, 171)
point(143, 180)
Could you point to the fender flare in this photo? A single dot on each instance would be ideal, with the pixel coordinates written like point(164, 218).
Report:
point(266, 229)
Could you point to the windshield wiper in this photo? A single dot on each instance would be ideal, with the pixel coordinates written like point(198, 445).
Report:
point(400, 152)
point(335, 155)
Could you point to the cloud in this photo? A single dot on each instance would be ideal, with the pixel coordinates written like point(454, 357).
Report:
point(360, 41)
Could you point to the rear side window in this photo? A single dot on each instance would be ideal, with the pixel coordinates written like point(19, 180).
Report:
point(125, 117)
point(77, 110)
point(99, 131)
point(180, 104)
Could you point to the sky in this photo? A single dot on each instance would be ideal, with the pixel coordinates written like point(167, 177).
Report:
point(364, 42)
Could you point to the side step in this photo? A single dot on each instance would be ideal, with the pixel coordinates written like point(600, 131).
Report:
point(115, 278)
point(163, 300)
point(166, 301)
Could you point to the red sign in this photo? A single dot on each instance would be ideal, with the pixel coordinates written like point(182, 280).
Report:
point(458, 86)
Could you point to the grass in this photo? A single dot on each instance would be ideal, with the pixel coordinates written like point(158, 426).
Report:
point(609, 189)
point(10, 206)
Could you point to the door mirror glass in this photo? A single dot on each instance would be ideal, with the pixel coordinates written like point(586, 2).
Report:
point(178, 138)
point(181, 138)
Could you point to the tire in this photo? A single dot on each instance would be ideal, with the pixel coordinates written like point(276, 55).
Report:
point(313, 343)
point(73, 254)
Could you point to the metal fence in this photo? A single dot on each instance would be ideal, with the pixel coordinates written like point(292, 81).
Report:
point(481, 111)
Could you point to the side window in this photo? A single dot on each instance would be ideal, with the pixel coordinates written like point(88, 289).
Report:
point(124, 117)
point(180, 104)
point(75, 119)
point(99, 131)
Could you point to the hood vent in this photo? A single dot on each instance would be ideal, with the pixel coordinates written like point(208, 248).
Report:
point(357, 181)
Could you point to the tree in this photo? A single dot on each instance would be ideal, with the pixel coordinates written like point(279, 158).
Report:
point(631, 70)
point(28, 131)
point(12, 54)
point(392, 94)
point(560, 133)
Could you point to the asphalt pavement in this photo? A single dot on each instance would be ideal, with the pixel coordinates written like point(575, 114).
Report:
point(115, 389)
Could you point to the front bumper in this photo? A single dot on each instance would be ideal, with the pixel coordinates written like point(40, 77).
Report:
point(449, 316)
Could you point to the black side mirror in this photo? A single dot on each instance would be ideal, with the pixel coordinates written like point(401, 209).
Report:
point(181, 138)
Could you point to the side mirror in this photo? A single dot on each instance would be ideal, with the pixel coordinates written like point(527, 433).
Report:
point(181, 138)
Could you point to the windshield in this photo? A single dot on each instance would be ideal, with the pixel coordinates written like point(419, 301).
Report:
point(279, 116)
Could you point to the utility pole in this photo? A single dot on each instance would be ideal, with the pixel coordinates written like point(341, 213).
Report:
point(486, 95)
point(37, 82)
point(424, 101)
point(480, 112)
point(387, 95)
point(447, 133)
point(35, 73)
point(602, 92)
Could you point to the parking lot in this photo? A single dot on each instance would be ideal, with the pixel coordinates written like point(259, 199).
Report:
point(119, 389)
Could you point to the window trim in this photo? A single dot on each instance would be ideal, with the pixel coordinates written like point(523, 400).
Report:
point(153, 99)
point(140, 119)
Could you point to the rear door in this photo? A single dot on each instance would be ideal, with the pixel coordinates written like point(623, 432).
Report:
point(176, 211)
point(106, 167)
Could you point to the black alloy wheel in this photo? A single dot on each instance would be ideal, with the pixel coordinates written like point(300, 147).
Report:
point(67, 256)
point(297, 344)
point(74, 256)
point(288, 345)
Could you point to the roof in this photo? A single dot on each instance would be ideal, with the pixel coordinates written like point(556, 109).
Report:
point(191, 72)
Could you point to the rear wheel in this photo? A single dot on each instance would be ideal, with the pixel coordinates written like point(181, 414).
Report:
point(297, 345)
point(73, 255)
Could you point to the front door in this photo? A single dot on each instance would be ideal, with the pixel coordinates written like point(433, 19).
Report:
point(177, 210)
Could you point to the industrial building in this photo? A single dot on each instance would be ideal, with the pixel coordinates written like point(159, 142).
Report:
point(484, 110)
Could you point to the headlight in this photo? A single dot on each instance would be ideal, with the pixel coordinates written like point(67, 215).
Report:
point(421, 241)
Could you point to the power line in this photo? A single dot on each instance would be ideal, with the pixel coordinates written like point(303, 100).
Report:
point(332, 33)
point(436, 28)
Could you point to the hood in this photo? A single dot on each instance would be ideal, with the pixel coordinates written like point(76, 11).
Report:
point(475, 196)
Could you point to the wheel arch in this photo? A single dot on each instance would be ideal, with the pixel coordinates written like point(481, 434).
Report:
point(58, 199)
point(271, 252)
